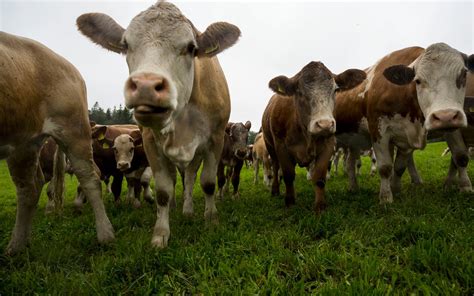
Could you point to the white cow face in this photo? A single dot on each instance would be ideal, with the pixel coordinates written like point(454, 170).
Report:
point(440, 77)
point(314, 90)
point(124, 148)
point(161, 46)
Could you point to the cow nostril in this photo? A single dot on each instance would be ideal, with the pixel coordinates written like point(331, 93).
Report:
point(456, 115)
point(159, 87)
point(435, 117)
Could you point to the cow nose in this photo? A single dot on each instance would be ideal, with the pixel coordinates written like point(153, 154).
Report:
point(448, 118)
point(325, 124)
point(146, 88)
point(123, 165)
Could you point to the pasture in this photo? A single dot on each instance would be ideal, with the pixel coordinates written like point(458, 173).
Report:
point(423, 243)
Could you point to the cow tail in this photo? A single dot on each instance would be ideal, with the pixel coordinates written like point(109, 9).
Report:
point(59, 170)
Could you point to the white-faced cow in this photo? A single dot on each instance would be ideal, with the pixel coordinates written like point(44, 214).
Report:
point(233, 156)
point(298, 125)
point(41, 95)
point(179, 95)
point(406, 93)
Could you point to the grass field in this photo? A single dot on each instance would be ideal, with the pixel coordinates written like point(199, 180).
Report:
point(422, 244)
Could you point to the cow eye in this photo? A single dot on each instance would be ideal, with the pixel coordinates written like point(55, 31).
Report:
point(418, 81)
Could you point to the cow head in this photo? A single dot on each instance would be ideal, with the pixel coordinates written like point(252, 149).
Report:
point(439, 74)
point(314, 90)
point(124, 148)
point(100, 141)
point(161, 46)
point(238, 134)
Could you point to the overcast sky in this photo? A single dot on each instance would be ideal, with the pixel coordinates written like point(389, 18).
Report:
point(278, 38)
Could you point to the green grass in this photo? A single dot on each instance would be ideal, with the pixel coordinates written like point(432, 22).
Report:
point(422, 244)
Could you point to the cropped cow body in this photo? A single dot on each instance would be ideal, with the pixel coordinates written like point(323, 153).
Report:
point(179, 95)
point(406, 93)
point(233, 156)
point(298, 125)
point(261, 156)
point(41, 95)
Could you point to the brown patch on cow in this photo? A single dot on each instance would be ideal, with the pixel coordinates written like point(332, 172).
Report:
point(399, 74)
point(162, 197)
point(461, 80)
point(385, 171)
point(209, 188)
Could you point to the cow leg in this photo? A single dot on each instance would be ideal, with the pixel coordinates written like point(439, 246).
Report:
point(117, 187)
point(276, 167)
point(145, 180)
point(337, 155)
point(267, 173)
point(400, 164)
point(208, 183)
point(23, 165)
point(79, 200)
point(189, 179)
point(256, 169)
point(228, 176)
point(236, 179)
point(108, 184)
point(351, 161)
point(288, 170)
point(460, 156)
point(415, 177)
point(358, 165)
point(79, 153)
point(373, 163)
point(130, 188)
point(220, 180)
point(318, 174)
point(383, 152)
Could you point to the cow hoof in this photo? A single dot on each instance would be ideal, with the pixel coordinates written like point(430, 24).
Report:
point(466, 189)
point(78, 205)
point(117, 203)
point(211, 217)
point(136, 204)
point(319, 208)
point(236, 196)
point(105, 234)
point(386, 199)
point(160, 241)
point(188, 213)
point(49, 209)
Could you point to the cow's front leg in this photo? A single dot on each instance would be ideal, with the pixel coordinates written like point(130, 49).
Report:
point(189, 179)
point(318, 173)
point(208, 183)
point(145, 180)
point(412, 170)
point(400, 164)
point(351, 163)
point(383, 153)
point(236, 178)
point(220, 180)
point(460, 156)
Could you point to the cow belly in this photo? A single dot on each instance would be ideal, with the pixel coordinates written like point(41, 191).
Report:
point(181, 155)
point(403, 132)
point(357, 141)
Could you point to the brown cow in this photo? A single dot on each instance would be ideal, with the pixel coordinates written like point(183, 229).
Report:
point(41, 95)
point(261, 155)
point(425, 92)
point(232, 157)
point(298, 125)
point(179, 95)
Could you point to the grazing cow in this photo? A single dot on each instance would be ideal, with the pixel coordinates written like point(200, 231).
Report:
point(53, 167)
point(260, 155)
point(232, 157)
point(179, 95)
point(118, 152)
point(298, 125)
point(41, 95)
point(406, 93)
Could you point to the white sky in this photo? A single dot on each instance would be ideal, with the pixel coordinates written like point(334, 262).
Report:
point(278, 38)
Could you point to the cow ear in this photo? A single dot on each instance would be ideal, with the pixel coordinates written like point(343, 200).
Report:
point(468, 61)
point(283, 85)
point(92, 123)
point(98, 132)
point(217, 38)
point(350, 79)
point(399, 74)
point(248, 125)
point(102, 30)
point(137, 137)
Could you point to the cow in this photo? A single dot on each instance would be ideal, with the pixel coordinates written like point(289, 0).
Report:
point(41, 95)
point(233, 157)
point(298, 125)
point(179, 95)
point(118, 152)
point(407, 93)
point(260, 155)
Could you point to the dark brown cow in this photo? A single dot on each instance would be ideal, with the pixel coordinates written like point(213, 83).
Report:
point(298, 125)
point(41, 95)
point(425, 92)
point(232, 157)
point(179, 95)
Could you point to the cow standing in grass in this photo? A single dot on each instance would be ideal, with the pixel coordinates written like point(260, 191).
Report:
point(41, 95)
point(233, 156)
point(179, 95)
point(261, 155)
point(298, 125)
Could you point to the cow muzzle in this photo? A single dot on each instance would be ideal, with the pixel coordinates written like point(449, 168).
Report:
point(149, 95)
point(446, 119)
point(241, 153)
point(322, 127)
point(123, 165)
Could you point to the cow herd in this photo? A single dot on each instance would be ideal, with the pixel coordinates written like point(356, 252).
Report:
point(181, 103)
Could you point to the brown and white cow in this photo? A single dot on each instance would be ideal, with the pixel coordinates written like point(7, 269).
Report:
point(179, 95)
point(298, 125)
point(41, 95)
point(406, 93)
point(261, 155)
point(233, 156)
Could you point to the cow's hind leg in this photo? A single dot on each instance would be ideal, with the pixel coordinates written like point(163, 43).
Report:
point(383, 152)
point(189, 179)
point(208, 183)
point(236, 179)
point(23, 166)
point(399, 167)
